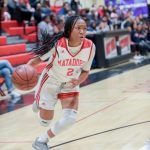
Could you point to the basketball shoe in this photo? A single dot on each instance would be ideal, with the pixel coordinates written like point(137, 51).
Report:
point(146, 146)
point(40, 145)
point(35, 107)
point(15, 96)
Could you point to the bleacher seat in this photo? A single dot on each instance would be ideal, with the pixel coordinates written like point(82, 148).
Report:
point(7, 24)
point(17, 54)
point(21, 30)
point(3, 40)
point(31, 37)
point(18, 59)
point(12, 49)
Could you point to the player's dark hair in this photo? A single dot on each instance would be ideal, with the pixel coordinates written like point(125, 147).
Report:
point(48, 42)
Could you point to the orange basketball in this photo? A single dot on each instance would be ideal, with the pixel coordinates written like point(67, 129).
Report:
point(25, 77)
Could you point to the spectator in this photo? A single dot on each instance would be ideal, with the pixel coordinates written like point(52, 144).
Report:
point(33, 3)
point(70, 13)
point(28, 6)
point(140, 45)
point(64, 10)
point(23, 11)
point(12, 5)
point(46, 8)
point(93, 15)
point(60, 25)
point(6, 71)
point(103, 25)
point(6, 16)
point(91, 28)
point(127, 23)
point(53, 18)
point(45, 26)
point(38, 14)
point(114, 16)
point(1, 4)
point(139, 36)
point(101, 11)
point(84, 13)
point(75, 5)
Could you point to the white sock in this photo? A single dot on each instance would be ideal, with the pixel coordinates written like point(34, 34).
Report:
point(43, 138)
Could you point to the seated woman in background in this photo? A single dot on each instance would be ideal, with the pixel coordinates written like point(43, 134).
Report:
point(6, 71)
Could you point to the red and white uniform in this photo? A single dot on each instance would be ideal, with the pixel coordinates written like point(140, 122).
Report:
point(64, 63)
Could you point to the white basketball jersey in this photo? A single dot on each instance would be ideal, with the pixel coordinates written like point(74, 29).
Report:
point(64, 65)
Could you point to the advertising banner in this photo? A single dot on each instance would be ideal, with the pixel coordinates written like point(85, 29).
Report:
point(124, 43)
point(110, 47)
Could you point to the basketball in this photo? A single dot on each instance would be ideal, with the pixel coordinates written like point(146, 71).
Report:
point(24, 77)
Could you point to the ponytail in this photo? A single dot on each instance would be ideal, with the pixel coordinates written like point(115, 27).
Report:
point(47, 42)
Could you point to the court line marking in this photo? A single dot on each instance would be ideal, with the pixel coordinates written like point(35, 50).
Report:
point(84, 137)
point(100, 110)
point(108, 106)
point(102, 132)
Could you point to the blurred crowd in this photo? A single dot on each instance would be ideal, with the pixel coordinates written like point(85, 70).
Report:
point(98, 18)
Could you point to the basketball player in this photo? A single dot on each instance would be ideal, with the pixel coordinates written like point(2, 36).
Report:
point(70, 56)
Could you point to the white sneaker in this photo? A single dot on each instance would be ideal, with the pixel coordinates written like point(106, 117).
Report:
point(38, 145)
point(35, 107)
point(15, 96)
point(146, 146)
point(138, 59)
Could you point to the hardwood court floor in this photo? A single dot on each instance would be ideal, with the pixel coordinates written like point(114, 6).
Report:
point(114, 114)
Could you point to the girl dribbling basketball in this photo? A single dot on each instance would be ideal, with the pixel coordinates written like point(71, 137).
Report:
point(69, 56)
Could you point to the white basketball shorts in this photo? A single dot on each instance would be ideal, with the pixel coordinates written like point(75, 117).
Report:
point(49, 90)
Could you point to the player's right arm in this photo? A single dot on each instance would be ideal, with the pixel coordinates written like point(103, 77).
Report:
point(35, 61)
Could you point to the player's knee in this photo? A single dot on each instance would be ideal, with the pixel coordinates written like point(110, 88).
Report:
point(43, 122)
point(70, 116)
point(68, 119)
point(6, 72)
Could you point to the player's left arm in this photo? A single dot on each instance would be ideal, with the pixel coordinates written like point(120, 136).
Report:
point(85, 70)
point(83, 76)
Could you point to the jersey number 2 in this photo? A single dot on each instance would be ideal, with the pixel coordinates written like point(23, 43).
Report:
point(70, 71)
